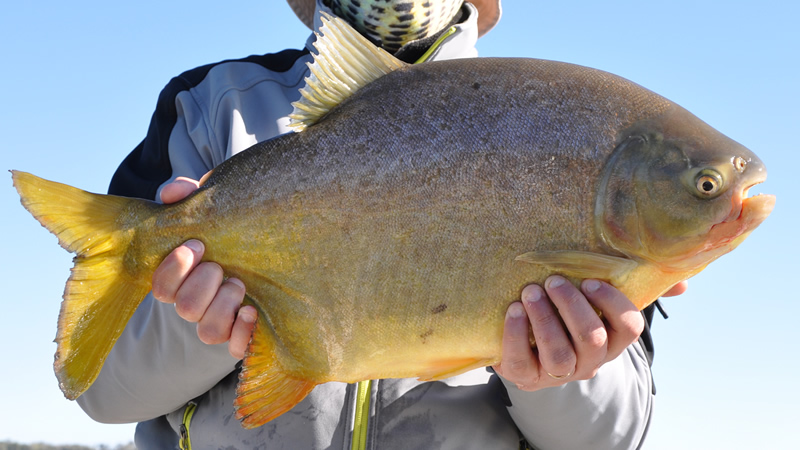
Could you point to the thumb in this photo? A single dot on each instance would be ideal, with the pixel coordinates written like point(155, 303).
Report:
point(178, 189)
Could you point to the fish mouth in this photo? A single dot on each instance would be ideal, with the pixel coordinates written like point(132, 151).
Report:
point(747, 214)
point(739, 199)
point(726, 236)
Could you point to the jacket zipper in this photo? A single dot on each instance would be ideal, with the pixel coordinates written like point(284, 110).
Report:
point(360, 425)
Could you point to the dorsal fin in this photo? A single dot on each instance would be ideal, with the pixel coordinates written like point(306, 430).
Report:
point(345, 63)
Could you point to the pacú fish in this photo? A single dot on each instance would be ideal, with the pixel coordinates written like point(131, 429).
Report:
point(389, 236)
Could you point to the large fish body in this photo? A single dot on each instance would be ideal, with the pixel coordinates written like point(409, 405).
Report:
point(389, 238)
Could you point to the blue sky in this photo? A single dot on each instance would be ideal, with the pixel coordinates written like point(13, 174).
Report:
point(80, 80)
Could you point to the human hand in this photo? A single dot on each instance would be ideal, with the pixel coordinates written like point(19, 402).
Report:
point(576, 349)
point(678, 289)
point(198, 289)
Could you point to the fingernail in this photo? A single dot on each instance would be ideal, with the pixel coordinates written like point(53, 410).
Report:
point(237, 282)
point(555, 281)
point(515, 311)
point(195, 245)
point(532, 295)
point(591, 285)
point(247, 314)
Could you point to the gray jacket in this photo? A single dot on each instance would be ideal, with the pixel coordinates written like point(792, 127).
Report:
point(158, 365)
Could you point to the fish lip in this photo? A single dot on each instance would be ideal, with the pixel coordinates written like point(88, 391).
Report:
point(751, 211)
point(738, 199)
point(756, 208)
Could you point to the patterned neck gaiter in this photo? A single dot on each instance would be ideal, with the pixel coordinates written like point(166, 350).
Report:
point(392, 23)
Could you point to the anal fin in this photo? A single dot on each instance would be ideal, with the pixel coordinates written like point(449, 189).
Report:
point(264, 391)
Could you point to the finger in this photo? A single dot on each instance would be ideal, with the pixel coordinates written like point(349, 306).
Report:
point(196, 293)
point(587, 330)
point(172, 272)
point(242, 329)
point(678, 289)
point(178, 189)
point(624, 322)
point(517, 362)
point(556, 354)
point(216, 324)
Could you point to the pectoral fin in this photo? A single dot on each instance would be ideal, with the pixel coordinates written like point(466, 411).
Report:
point(264, 391)
point(582, 265)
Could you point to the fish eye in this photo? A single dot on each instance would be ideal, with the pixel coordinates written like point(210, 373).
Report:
point(708, 183)
point(739, 164)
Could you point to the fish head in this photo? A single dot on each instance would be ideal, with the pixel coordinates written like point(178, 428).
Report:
point(675, 193)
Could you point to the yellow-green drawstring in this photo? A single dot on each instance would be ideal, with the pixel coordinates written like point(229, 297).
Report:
point(186, 442)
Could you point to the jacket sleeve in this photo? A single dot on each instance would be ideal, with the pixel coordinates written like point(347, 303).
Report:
point(158, 363)
point(611, 410)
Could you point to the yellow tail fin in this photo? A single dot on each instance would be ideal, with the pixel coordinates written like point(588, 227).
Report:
point(102, 292)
